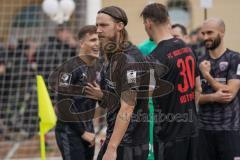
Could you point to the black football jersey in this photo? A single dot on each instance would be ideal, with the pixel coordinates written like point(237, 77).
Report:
point(125, 73)
point(175, 111)
point(69, 81)
point(217, 116)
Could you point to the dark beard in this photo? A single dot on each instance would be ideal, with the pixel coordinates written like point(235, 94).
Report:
point(215, 44)
point(109, 48)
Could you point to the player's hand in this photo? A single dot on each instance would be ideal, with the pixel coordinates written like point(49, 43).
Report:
point(89, 137)
point(222, 96)
point(110, 154)
point(205, 67)
point(2, 69)
point(93, 91)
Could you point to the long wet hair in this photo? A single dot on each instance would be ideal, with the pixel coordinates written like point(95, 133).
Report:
point(118, 15)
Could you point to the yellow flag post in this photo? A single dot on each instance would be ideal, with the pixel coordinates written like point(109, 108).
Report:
point(42, 145)
point(45, 112)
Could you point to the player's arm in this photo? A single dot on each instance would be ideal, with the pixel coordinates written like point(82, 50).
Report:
point(232, 85)
point(205, 98)
point(205, 68)
point(220, 96)
point(233, 80)
point(198, 89)
point(128, 99)
point(81, 130)
point(89, 137)
point(94, 91)
point(65, 111)
point(97, 92)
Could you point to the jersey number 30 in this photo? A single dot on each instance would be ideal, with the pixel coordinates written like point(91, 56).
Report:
point(187, 67)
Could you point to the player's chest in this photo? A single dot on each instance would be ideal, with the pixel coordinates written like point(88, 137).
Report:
point(110, 79)
point(219, 71)
point(86, 75)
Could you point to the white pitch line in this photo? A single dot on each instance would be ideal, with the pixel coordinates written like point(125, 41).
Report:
point(12, 151)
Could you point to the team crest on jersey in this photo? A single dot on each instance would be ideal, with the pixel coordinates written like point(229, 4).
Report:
point(238, 70)
point(98, 76)
point(132, 76)
point(223, 66)
point(65, 79)
point(203, 81)
point(83, 77)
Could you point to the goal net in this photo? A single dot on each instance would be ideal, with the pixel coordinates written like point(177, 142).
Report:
point(30, 44)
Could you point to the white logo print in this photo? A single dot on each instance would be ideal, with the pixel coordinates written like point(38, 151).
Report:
point(223, 66)
point(65, 79)
point(238, 70)
point(131, 76)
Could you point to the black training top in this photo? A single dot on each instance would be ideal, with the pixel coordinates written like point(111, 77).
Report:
point(69, 81)
point(217, 116)
point(175, 112)
point(127, 72)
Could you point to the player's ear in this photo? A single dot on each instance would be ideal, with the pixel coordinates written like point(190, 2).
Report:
point(222, 34)
point(120, 26)
point(148, 22)
point(81, 43)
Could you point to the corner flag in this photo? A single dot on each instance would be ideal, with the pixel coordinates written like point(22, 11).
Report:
point(45, 112)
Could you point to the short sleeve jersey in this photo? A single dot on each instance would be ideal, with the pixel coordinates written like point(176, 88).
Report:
point(69, 81)
point(217, 116)
point(125, 73)
point(175, 112)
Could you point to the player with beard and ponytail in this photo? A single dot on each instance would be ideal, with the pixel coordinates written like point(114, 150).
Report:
point(219, 104)
point(127, 109)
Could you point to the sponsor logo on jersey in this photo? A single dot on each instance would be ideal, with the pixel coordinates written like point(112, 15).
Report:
point(65, 79)
point(238, 70)
point(132, 76)
point(83, 77)
point(223, 66)
point(111, 84)
point(98, 76)
point(221, 80)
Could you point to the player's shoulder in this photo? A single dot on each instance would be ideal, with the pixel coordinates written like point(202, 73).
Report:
point(170, 45)
point(132, 54)
point(72, 65)
point(175, 43)
point(232, 57)
point(233, 53)
point(72, 60)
